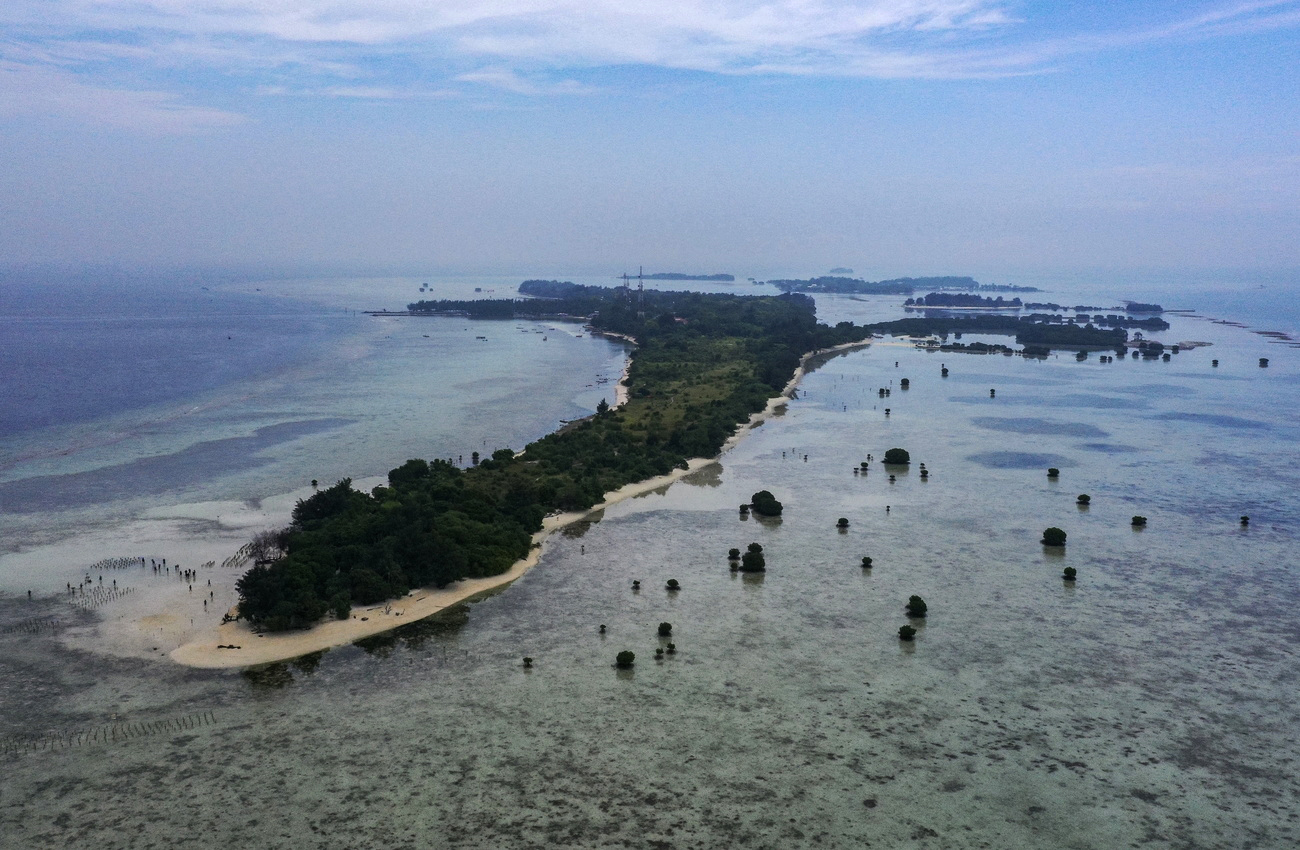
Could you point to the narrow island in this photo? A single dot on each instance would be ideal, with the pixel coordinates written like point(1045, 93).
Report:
point(961, 301)
point(896, 286)
point(704, 367)
point(716, 278)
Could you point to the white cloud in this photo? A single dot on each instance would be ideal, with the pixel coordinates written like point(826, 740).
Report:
point(42, 91)
point(99, 55)
point(508, 80)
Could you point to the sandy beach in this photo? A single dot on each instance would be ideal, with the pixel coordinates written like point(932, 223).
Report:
point(234, 644)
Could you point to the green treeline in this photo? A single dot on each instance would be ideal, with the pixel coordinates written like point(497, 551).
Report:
point(1027, 330)
point(703, 365)
point(958, 299)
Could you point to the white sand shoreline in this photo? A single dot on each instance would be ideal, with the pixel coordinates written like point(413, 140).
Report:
point(251, 649)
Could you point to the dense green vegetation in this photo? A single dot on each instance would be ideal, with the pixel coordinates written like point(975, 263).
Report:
point(753, 561)
point(703, 365)
point(1053, 537)
point(960, 299)
point(1028, 330)
point(765, 504)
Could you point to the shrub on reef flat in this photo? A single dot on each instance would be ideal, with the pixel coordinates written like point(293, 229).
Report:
point(765, 504)
point(1053, 537)
point(897, 456)
point(916, 606)
point(625, 658)
point(906, 633)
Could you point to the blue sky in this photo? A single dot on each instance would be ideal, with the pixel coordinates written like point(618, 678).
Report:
point(904, 136)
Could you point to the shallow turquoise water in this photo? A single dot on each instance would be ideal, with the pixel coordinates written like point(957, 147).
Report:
point(1149, 704)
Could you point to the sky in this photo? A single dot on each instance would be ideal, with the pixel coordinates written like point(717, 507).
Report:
point(568, 137)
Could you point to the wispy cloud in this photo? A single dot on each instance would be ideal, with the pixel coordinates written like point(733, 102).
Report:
point(42, 91)
point(507, 80)
point(541, 48)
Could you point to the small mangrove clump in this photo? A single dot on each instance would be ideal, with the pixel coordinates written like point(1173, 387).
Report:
point(753, 561)
point(1053, 537)
point(898, 456)
point(916, 606)
point(672, 649)
point(1084, 499)
point(659, 654)
point(673, 584)
point(733, 554)
point(602, 628)
point(625, 659)
point(907, 633)
point(636, 585)
point(842, 522)
point(1053, 472)
point(765, 504)
point(1245, 520)
point(1068, 574)
point(665, 629)
point(866, 562)
point(1139, 521)
point(528, 662)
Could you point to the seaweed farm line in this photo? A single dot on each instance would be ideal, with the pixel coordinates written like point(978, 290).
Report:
point(105, 734)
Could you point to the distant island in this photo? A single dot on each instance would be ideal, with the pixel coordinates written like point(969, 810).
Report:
point(845, 285)
point(896, 286)
point(719, 278)
point(840, 271)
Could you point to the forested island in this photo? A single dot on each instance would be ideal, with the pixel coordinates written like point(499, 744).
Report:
point(1030, 331)
point(718, 278)
point(962, 300)
point(704, 363)
point(895, 286)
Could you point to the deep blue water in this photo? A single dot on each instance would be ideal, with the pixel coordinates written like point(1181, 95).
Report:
point(76, 349)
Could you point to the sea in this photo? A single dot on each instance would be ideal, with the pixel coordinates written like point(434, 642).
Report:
point(1151, 702)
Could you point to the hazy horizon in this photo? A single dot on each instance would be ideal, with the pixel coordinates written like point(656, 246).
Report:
point(922, 136)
